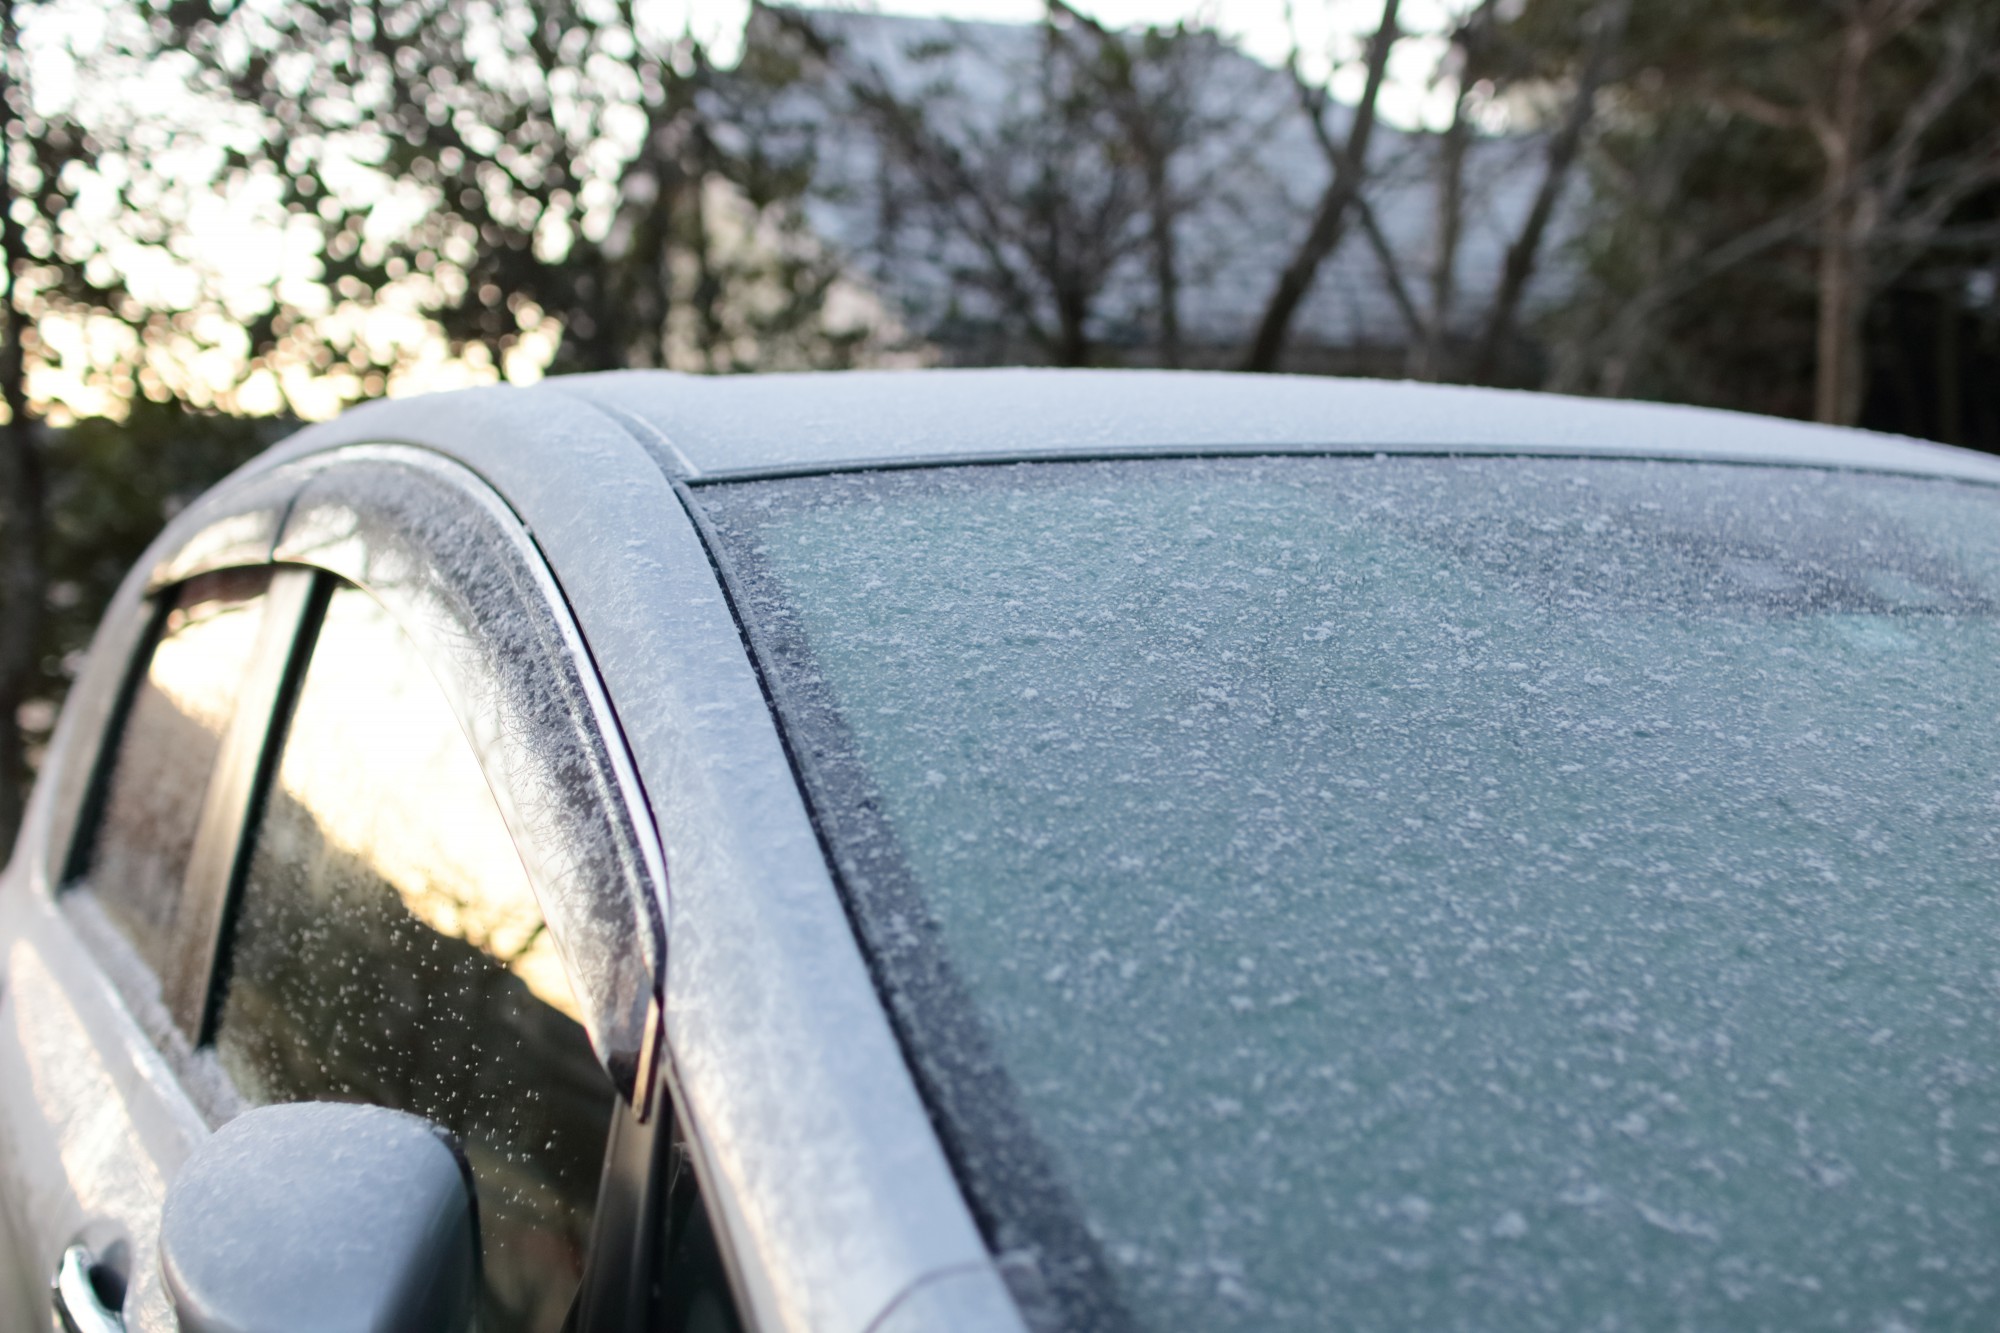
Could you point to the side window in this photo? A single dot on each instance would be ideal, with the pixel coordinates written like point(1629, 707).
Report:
point(693, 1291)
point(386, 947)
point(180, 709)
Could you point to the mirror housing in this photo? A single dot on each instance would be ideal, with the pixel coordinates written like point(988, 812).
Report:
point(322, 1217)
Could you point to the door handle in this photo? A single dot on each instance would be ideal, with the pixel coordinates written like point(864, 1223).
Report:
point(80, 1307)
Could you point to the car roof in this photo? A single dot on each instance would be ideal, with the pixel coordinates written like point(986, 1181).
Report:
point(704, 428)
point(732, 426)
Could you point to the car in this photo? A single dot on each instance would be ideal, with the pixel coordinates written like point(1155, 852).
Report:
point(999, 850)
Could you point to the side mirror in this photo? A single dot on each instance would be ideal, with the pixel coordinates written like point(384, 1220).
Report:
point(322, 1216)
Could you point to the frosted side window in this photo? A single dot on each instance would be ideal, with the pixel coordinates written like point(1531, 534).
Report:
point(387, 948)
point(179, 712)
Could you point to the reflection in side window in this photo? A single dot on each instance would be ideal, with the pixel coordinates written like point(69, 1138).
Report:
point(693, 1285)
point(174, 725)
point(387, 948)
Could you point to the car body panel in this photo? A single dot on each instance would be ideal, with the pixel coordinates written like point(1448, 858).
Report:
point(95, 1109)
point(22, 1297)
point(794, 1087)
point(98, 1123)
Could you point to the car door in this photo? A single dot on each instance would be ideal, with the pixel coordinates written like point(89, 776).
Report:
point(102, 1092)
point(352, 905)
point(385, 946)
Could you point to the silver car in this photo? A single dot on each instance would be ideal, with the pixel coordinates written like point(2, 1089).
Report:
point(1023, 850)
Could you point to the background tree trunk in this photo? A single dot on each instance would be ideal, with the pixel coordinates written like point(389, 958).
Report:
point(22, 497)
point(1607, 32)
point(1267, 346)
point(1842, 285)
point(1429, 349)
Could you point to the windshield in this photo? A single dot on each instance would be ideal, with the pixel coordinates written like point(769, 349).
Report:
point(1422, 893)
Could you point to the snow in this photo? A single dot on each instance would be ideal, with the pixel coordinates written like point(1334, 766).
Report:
point(1519, 953)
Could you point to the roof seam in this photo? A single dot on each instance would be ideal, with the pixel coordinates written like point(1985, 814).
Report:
point(649, 437)
point(1144, 453)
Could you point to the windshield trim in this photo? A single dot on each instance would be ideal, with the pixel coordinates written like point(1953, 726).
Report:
point(1031, 1223)
point(1170, 452)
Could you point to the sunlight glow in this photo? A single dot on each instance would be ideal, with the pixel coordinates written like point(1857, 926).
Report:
point(211, 246)
point(198, 663)
point(376, 756)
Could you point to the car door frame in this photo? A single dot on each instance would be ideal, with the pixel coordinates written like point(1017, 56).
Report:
point(455, 568)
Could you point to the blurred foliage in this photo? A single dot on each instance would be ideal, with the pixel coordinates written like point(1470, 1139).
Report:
point(1748, 164)
point(503, 177)
point(517, 166)
point(113, 484)
point(1019, 209)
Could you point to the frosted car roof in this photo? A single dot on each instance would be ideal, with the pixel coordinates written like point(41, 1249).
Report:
point(704, 427)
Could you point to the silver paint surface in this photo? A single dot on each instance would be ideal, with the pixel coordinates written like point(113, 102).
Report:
point(710, 427)
point(322, 1217)
point(94, 1118)
point(966, 1300)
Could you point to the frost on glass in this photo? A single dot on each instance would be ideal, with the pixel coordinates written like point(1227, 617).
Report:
point(441, 554)
point(1423, 893)
point(387, 948)
point(179, 711)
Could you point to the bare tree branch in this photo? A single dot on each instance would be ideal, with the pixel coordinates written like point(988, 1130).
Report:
point(1313, 99)
point(1469, 42)
point(1952, 181)
point(1329, 219)
point(1048, 240)
point(1607, 30)
point(1155, 150)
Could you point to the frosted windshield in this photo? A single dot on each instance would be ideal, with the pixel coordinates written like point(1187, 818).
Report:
point(1423, 893)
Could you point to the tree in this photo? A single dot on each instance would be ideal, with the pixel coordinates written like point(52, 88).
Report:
point(1154, 83)
point(21, 481)
point(1604, 28)
point(1346, 183)
point(49, 267)
point(1024, 183)
point(1551, 63)
point(1867, 81)
point(1023, 209)
point(112, 485)
point(519, 172)
point(1463, 67)
point(553, 183)
point(1772, 172)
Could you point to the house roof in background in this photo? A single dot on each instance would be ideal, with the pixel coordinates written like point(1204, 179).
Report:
point(1230, 253)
